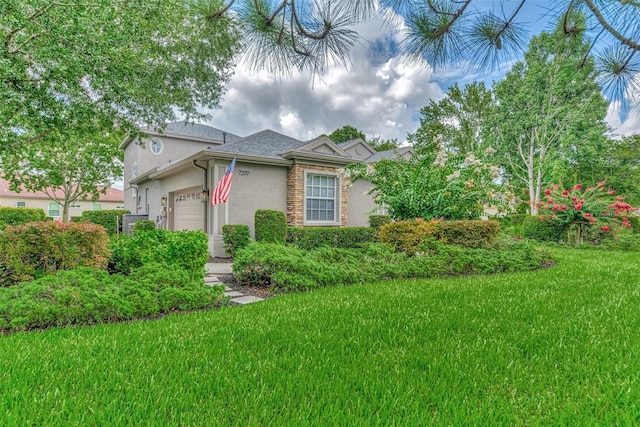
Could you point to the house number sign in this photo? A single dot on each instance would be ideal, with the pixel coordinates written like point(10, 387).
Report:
point(243, 172)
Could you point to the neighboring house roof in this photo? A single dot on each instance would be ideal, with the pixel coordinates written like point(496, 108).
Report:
point(266, 143)
point(112, 194)
point(405, 152)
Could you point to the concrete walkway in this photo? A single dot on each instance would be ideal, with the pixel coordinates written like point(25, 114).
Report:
point(213, 269)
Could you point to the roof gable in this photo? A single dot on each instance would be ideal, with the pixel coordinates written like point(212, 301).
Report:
point(357, 148)
point(324, 145)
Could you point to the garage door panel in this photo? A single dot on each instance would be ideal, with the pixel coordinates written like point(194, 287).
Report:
point(188, 210)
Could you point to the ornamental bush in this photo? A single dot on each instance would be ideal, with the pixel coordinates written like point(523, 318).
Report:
point(87, 296)
point(270, 226)
point(287, 268)
point(20, 216)
point(41, 248)
point(407, 236)
point(335, 237)
point(377, 221)
point(235, 237)
point(469, 233)
point(544, 229)
point(187, 249)
point(111, 220)
point(143, 225)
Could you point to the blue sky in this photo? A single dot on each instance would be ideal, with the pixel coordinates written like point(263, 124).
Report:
point(378, 92)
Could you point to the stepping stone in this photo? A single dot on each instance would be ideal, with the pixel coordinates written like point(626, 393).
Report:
point(246, 300)
point(213, 284)
point(211, 280)
point(233, 294)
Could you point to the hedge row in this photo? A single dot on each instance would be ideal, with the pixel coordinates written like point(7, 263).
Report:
point(86, 296)
point(407, 236)
point(188, 250)
point(20, 216)
point(235, 237)
point(111, 220)
point(336, 237)
point(271, 226)
point(40, 248)
point(288, 268)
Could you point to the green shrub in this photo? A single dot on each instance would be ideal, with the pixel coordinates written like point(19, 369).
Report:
point(377, 221)
point(40, 248)
point(406, 236)
point(468, 233)
point(292, 269)
point(19, 216)
point(87, 296)
point(544, 229)
point(144, 225)
point(517, 219)
point(336, 237)
point(271, 226)
point(109, 219)
point(187, 249)
point(235, 237)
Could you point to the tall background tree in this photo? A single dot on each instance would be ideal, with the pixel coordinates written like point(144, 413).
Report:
point(67, 167)
point(547, 113)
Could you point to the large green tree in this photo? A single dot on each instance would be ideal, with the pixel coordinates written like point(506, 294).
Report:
point(67, 167)
point(346, 133)
point(457, 120)
point(72, 66)
point(547, 111)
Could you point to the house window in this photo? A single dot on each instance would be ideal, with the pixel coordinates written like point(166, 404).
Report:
point(96, 207)
point(156, 146)
point(321, 199)
point(21, 204)
point(54, 209)
point(120, 207)
point(134, 192)
point(134, 170)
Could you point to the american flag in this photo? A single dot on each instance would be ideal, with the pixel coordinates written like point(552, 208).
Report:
point(221, 192)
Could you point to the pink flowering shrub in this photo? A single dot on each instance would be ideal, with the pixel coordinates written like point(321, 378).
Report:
point(580, 207)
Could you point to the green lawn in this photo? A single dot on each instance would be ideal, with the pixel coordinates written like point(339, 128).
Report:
point(559, 346)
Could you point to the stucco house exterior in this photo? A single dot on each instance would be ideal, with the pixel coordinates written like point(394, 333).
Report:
point(169, 176)
point(112, 199)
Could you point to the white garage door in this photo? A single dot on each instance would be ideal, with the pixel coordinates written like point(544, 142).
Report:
point(188, 210)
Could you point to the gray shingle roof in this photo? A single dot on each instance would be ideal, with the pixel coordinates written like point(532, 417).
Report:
point(196, 130)
point(389, 154)
point(266, 143)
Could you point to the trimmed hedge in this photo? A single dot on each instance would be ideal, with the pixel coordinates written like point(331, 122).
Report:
point(288, 268)
point(40, 248)
point(377, 221)
point(469, 233)
point(335, 237)
point(270, 226)
point(544, 229)
point(187, 249)
point(87, 296)
point(144, 225)
point(235, 237)
point(407, 236)
point(20, 216)
point(109, 219)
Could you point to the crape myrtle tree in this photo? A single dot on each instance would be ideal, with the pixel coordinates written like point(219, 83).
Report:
point(67, 167)
point(548, 113)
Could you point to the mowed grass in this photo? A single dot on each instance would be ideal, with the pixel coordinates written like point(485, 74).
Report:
point(559, 346)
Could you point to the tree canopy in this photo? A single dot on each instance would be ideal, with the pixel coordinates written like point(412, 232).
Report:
point(75, 66)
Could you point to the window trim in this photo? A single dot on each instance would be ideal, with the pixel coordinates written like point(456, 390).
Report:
point(59, 210)
point(93, 206)
point(336, 198)
point(24, 204)
point(156, 141)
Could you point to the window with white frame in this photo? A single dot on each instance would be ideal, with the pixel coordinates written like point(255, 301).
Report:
point(21, 204)
point(134, 192)
point(54, 209)
point(321, 198)
point(156, 146)
point(96, 207)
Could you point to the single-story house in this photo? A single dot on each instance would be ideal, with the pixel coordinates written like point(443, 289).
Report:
point(112, 199)
point(170, 175)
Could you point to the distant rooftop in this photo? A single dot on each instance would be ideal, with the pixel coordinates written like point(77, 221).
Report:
point(196, 130)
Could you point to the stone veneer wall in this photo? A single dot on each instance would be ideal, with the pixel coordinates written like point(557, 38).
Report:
point(295, 194)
